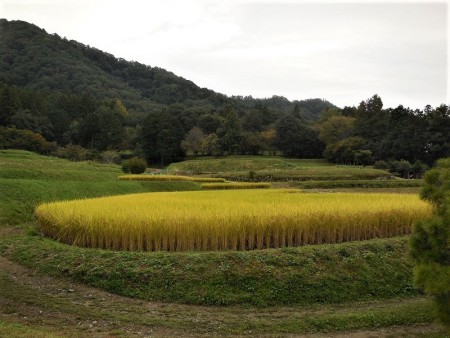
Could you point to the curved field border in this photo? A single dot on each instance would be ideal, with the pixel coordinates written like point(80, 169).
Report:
point(336, 273)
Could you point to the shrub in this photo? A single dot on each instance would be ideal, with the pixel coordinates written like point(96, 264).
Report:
point(110, 156)
point(12, 138)
point(403, 168)
point(418, 168)
point(381, 165)
point(429, 244)
point(72, 152)
point(134, 165)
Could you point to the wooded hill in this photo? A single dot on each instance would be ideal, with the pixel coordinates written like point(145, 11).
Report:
point(34, 59)
point(63, 97)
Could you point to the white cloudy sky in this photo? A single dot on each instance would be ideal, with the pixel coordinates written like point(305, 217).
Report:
point(342, 51)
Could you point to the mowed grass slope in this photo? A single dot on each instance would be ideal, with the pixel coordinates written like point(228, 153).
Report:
point(329, 273)
point(27, 179)
point(274, 168)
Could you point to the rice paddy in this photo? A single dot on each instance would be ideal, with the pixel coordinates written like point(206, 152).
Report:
point(170, 178)
point(224, 186)
point(228, 219)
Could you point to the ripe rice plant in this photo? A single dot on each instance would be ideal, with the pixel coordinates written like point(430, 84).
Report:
point(222, 186)
point(228, 219)
point(170, 178)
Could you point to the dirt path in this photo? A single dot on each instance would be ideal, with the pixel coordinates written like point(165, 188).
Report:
point(60, 307)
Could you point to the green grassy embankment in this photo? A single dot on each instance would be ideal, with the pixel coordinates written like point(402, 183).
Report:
point(26, 179)
point(275, 169)
point(337, 273)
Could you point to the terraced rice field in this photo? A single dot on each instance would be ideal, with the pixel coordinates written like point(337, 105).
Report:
point(229, 219)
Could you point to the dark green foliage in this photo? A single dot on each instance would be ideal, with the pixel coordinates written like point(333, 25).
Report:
point(437, 133)
point(161, 138)
point(103, 129)
point(9, 104)
point(12, 138)
point(345, 151)
point(418, 169)
point(390, 134)
point(371, 123)
point(231, 133)
point(381, 165)
point(405, 135)
point(430, 241)
point(403, 168)
point(294, 138)
point(210, 123)
point(134, 165)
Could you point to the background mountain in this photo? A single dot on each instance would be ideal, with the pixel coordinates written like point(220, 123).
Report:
point(32, 58)
point(65, 98)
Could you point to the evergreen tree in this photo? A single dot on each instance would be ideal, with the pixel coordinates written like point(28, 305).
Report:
point(430, 241)
point(296, 139)
point(161, 137)
point(231, 133)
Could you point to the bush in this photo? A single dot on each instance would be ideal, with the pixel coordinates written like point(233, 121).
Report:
point(134, 165)
point(12, 138)
point(72, 152)
point(110, 156)
point(381, 165)
point(403, 168)
point(429, 243)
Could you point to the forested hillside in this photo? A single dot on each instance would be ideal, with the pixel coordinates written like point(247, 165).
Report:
point(65, 98)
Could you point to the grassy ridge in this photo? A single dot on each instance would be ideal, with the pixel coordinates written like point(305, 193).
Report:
point(336, 184)
point(336, 273)
point(245, 163)
point(27, 179)
point(275, 169)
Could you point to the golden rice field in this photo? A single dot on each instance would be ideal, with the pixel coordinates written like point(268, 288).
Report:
point(240, 185)
point(228, 219)
point(169, 178)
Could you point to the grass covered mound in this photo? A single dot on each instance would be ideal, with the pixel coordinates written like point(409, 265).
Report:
point(275, 168)
point(337, 273)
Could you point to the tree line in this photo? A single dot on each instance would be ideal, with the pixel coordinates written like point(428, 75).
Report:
point(368, 133)
point(365, 134)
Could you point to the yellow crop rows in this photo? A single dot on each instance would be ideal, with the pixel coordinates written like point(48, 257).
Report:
point(132, 177)
point(228, 219)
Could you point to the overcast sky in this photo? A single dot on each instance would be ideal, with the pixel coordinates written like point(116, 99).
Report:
point(341, 51)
